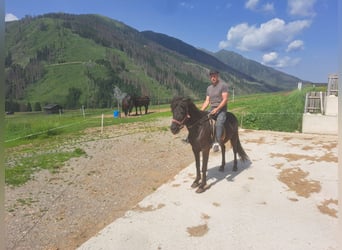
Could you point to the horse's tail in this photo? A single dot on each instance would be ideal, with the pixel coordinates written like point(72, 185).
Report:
point(242, 154)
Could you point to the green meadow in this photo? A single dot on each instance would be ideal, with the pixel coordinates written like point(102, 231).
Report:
point(35, 141)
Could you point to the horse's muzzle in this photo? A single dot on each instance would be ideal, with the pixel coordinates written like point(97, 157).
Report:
point(175, 128)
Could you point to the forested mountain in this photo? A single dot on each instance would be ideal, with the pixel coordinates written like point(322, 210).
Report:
point(191, 52)
point(76, 60)
point(256, 70)
point(230, 62)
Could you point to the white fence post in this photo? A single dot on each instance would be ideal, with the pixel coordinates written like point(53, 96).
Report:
point(102, 123)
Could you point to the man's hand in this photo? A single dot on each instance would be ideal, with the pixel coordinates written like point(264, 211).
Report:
point(214, 111)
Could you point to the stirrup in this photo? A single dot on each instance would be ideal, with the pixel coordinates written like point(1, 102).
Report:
point(216, 147)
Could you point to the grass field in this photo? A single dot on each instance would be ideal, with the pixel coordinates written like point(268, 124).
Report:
point(278, 112)
point(35, 141)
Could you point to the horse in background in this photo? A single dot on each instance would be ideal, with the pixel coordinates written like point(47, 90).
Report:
point(141, 101)
point(127, 104)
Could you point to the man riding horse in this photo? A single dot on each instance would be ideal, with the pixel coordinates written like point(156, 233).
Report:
point(217, 99)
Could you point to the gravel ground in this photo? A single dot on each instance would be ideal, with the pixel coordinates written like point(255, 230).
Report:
point(122, 165)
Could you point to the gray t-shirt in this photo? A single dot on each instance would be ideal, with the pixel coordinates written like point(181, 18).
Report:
point(215, 94)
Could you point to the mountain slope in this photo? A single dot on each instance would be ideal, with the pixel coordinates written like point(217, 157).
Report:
point(191, 52)
point(77, 60)
point(256, 70)
point(229, 62)
point(105, 52)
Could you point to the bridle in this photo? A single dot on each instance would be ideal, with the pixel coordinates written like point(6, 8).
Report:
point(182, 122)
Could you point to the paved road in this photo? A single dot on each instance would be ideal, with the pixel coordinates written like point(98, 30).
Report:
point(284, 198)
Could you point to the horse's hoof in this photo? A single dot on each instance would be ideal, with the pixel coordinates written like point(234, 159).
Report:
point(195, 185)
point(203, 188)
point(221, 169)
point(235, 169)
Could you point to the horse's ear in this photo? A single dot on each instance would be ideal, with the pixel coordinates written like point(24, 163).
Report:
point(187, 99)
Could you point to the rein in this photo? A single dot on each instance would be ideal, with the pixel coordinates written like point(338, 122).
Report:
point(181, 123)
point(203, 118)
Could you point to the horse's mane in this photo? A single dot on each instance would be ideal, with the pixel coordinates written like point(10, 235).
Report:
point(187, 101)
point(194, 108)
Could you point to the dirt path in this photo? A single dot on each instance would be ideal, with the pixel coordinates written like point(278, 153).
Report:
point(62, 210)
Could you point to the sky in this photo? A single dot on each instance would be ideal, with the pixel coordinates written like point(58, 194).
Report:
point(298, 37)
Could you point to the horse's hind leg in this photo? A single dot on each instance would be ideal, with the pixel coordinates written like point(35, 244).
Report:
point(234, 144)
point(223, 153)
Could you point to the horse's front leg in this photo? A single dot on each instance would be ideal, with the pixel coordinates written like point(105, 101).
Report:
point(205, 158)
point(198, 168)
point(223, 153)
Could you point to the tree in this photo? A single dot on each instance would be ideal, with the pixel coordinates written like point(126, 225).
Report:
point(29, 107)
point(34, 71)
point(118, 95)
point(8, 60)
point(37, 106)
point(73, 97)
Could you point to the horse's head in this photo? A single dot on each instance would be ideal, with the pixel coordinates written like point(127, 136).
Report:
point(179, 109)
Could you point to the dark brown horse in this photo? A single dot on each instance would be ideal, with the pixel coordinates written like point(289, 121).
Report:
point(127, 104)
point(198, 123)
point(141, 101)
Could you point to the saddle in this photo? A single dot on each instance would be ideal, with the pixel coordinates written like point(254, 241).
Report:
point(212, 122)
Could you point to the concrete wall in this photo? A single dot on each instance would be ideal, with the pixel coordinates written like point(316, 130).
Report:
point(331, 105)
point(320, 124)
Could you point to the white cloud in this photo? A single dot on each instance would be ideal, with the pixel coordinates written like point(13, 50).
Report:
point(10, 17)
point(303, 8)
point(269, 7)
point(272, 59)
point(267, 37)
point(187, 5)
point(295, 45)
point(251, 4)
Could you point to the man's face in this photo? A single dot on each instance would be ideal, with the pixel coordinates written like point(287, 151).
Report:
point(214, 78)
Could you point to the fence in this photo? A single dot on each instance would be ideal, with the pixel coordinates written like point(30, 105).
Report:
point(314, 102)
point(288, 122)
point(333, 85)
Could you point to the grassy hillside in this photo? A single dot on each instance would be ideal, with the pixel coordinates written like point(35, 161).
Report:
point(71, 55)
